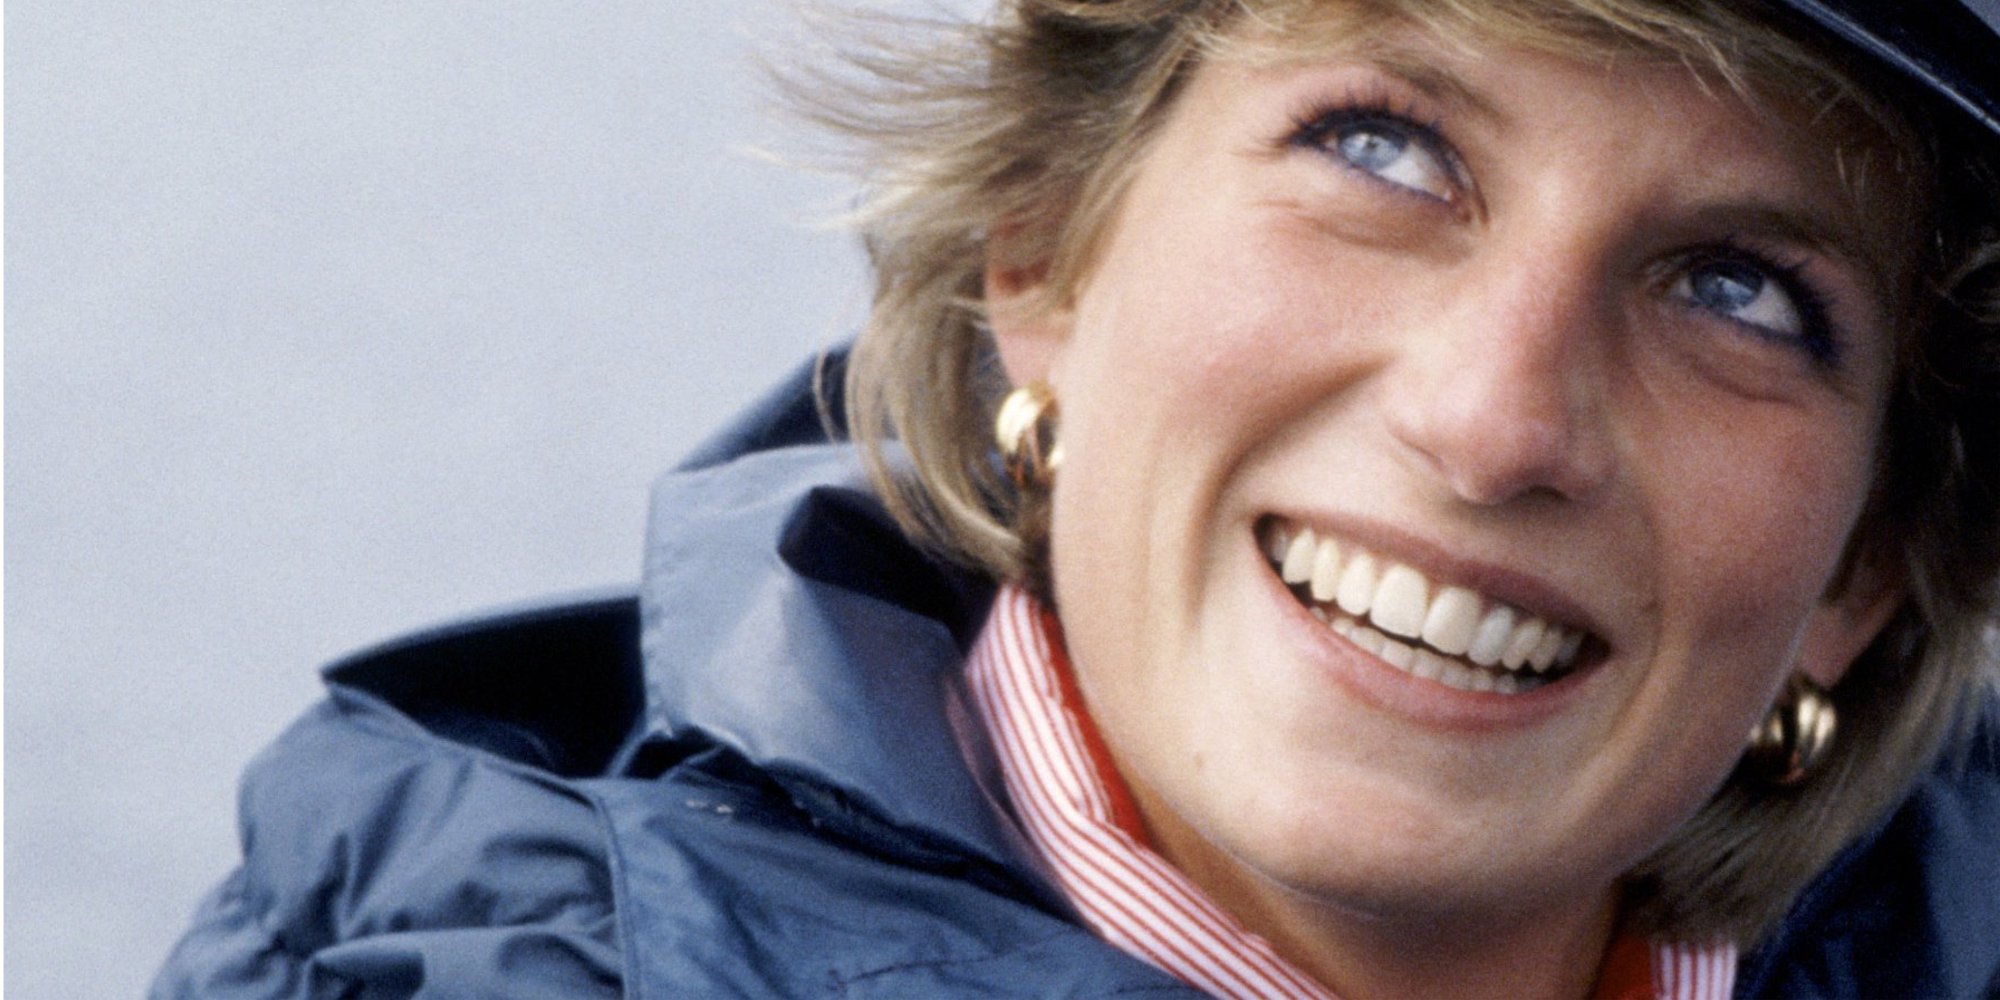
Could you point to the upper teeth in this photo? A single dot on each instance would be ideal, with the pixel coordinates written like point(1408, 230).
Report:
point(1400, 601)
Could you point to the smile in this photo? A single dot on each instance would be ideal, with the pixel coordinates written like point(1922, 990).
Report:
point(1437, 632)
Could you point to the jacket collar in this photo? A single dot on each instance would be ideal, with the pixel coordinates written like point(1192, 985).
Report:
point(785, 618)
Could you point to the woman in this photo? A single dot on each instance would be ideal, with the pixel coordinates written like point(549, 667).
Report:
point(1434, 435)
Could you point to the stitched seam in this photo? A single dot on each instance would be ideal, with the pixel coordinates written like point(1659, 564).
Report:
point(1132, 990)
point(936, 963)
point(630, 986)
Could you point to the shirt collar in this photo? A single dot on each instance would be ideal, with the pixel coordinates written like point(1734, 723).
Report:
point(1078, 817)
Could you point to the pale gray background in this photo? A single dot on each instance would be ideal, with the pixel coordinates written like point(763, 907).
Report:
point(327, 320)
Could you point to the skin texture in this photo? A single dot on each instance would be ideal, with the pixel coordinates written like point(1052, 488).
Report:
point(1481, 358)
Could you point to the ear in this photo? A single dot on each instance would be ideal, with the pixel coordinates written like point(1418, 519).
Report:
point(1847, 621)
point(1030, 323)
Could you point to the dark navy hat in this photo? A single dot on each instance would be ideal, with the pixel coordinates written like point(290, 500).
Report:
point(1951, 47)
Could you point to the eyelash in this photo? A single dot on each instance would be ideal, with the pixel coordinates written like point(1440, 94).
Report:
point(1317, 123)
point(1816, 337)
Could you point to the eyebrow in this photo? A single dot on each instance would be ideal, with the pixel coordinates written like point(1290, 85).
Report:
point(1387, 51)
point(1436, 82)
point(1791, 222)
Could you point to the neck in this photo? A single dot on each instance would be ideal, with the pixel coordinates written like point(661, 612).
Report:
point(1552, 951)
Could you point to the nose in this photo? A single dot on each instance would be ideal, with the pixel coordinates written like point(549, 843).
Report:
point(1505, 395)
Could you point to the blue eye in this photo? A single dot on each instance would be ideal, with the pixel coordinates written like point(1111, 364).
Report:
point(1374, 151)
point(1387, 147)
point(1768, 299)
point(1743, 293)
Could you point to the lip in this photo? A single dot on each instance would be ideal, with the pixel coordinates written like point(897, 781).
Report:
point(1428, 703)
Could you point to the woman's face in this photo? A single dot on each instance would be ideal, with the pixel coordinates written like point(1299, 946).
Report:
point(1566, 350)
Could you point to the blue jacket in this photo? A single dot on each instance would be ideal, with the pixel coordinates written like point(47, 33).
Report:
point(761, 776)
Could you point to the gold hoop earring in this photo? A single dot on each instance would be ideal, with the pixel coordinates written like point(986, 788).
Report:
point(1794, 736)
point(1026, 432)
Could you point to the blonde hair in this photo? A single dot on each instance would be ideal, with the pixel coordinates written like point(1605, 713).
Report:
point(1014, 138)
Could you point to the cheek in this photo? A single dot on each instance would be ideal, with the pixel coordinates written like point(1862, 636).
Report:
point(1197, 344)
point(1755, 515)
point(1181, 365)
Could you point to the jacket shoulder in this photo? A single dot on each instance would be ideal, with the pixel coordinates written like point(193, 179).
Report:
point(416, 827)
point(1911, 910)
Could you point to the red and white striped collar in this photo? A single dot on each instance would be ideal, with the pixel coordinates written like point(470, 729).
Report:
point(1079, 818)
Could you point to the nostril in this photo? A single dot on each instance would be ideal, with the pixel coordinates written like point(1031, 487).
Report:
point(1500, 464)
point(1497, 435)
